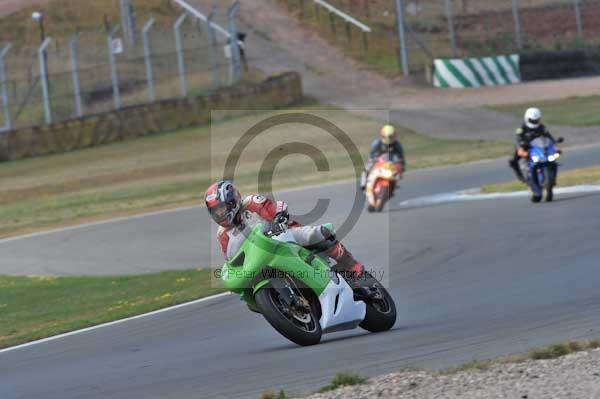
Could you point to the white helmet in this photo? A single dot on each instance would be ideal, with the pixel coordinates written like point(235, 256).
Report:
point(533, 117)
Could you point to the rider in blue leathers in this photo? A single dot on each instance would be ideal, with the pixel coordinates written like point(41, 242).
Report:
point(531, 129)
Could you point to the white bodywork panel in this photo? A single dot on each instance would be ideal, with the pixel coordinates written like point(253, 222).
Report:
point(348, 314)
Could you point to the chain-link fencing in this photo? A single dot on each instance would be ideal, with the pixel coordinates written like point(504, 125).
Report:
point(453, 28)
point(99, 71)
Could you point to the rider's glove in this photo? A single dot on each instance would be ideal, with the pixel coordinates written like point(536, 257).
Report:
point(282, 218)
point(280, 222)
point(329, 232)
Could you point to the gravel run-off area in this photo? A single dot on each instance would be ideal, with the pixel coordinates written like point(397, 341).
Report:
point(575, 376)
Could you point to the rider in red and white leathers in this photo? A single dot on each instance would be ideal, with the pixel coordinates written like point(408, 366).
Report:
point(236, 216)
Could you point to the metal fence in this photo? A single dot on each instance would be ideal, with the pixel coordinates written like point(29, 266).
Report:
point(95, 72)
point(457, 28)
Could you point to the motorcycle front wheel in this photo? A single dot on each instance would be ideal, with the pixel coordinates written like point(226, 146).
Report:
point(549, 181)
point(383, 199)
point(300, 326)
point(549, 194)
point(536, 184)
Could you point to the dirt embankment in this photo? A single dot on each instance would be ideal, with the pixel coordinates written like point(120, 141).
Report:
point(332, 77)
point(8, 7)
point(279, 42)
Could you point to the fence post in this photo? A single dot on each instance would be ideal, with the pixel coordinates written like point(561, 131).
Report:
point(233, 40)
point(124, 19)
point(332, 23)
point(180, 55)
point(317, 14)
point(44, 80)
point(401, 37)
point(365, 43)
point(113, 68)
point(75, 73)
point(148, 60)
point(131, 16)
point(515, 10)
point(451, 26)
point(578, 18)
point(127, 21)
point(212, 43)
point(5, 105)
point(349, 34)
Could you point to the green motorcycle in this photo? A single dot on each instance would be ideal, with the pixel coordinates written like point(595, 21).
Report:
point(299, 293)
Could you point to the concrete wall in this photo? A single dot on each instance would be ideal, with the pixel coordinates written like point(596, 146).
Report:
point(142, 120)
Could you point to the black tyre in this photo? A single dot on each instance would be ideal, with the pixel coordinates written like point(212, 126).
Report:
point(549, 194)
point(381, 313)
point(385, 196)
point(548, 186)
point(300, 327)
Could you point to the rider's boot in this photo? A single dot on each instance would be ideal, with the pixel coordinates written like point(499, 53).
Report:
point(514, 164)
point(355, 274)
point(347, 266)
point(363, 180)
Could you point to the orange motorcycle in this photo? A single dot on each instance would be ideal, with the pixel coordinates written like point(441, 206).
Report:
point(382, 181)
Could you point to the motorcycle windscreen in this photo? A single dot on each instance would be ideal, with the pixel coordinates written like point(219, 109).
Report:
point(543, 143)
point(389, 157)
point(540, 149)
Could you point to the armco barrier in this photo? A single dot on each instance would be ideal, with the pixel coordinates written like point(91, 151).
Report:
point(461, 73)
point(559, 65)
point(476, 72)
point(142, 120)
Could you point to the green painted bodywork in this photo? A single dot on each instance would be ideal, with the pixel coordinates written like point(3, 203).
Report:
point(261, 258)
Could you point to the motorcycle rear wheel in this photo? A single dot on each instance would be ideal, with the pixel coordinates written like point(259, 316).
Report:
point(381, 313)
point(302, 328)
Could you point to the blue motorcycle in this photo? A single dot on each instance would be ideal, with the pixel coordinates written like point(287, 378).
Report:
point(543, 168)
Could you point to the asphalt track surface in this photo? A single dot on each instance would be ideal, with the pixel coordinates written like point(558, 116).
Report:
point(471, 280)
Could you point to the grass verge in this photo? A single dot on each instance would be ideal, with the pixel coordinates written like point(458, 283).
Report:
point(155, 172)
point(32, 308)
point(173, 169)
point(343, 379)
point(571, 178)
point(270, 394)
point(572, 111)
point(548, 352)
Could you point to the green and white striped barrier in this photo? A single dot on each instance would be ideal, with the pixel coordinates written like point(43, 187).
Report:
point(476, 72)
